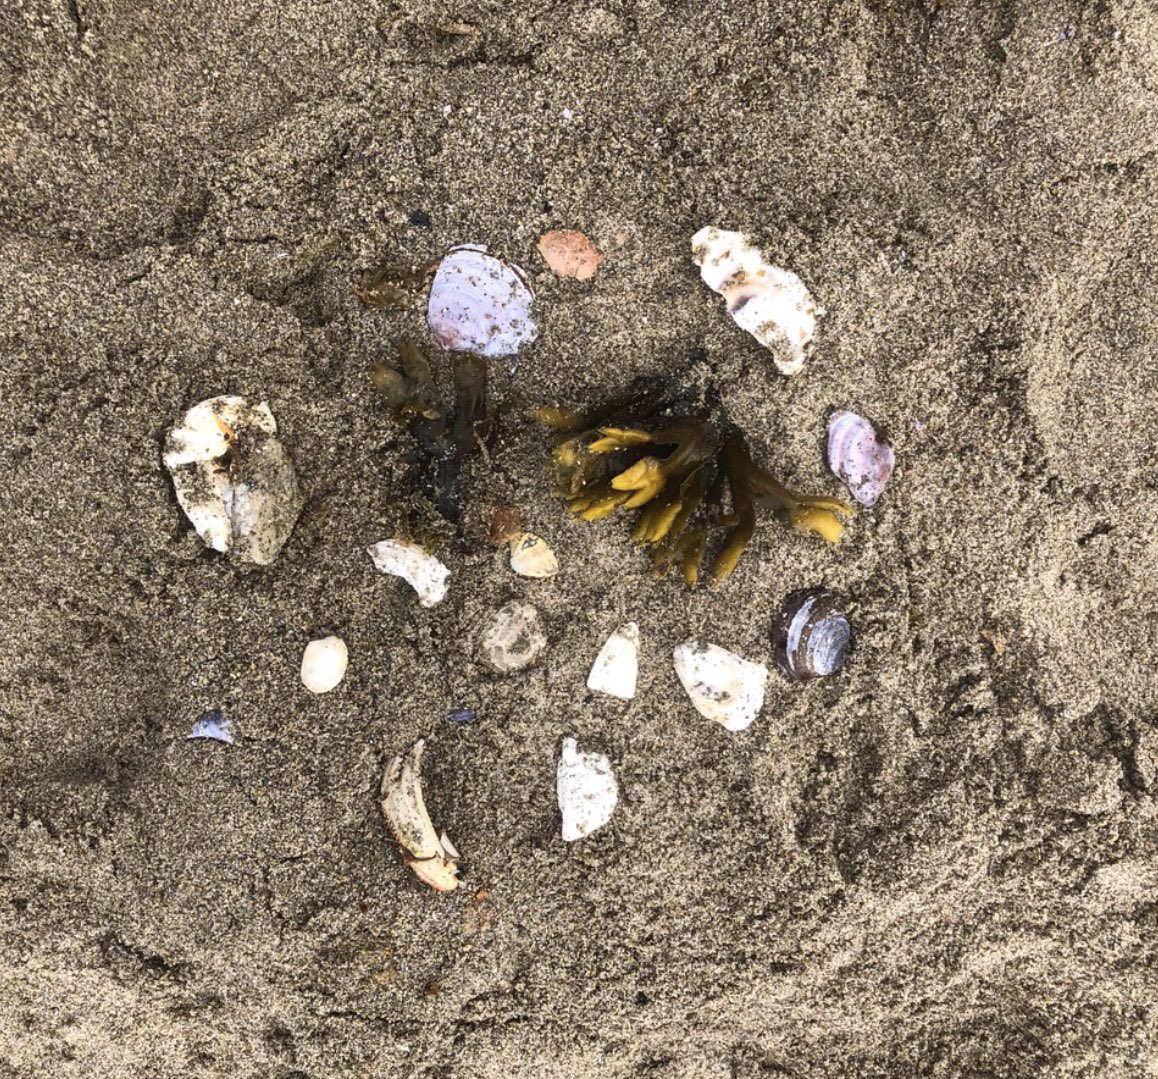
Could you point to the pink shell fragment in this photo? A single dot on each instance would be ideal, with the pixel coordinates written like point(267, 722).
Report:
point(479, 303)
point(859, 457)
point(570, 254)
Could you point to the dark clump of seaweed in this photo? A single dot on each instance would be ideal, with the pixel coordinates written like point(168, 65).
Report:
point(445, 436)
point(689, 476)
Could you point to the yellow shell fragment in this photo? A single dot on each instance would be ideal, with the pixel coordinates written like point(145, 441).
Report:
point(531, 556)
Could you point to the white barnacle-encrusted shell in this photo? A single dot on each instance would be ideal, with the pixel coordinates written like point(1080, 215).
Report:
point(722, 685)
point(587, 789)
point(616, 668)
point(771, 303)
point(233, 478)
point(859, 457)
point(531, 556)
point(420, 569)
point(514, 639)
point(479, 303)
point(324, 664)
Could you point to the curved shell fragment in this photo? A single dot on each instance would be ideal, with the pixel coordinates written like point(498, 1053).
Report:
point(429, 854)
point(859, 457)
point(420, 569)
point(531, 556)
point(722, 685)
point(771, 303)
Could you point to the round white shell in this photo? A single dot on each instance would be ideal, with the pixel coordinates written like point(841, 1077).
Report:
point(479, 303)
point(616, 668)
point(514, 639)
point(771, 303)
point(233, 478)
point(722, 685)
point(859, 457)
point(324, 664)
point(531, 556)
point(421, 570)
point(587, 789)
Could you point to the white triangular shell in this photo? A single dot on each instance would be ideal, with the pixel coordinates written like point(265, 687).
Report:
point(324, 664)
point(722, 685)
point(420, 569)
point(616, 668)
point(479, 303)
point(771, 303)
point(531, 556)
point(587, 789)
point(233, 478)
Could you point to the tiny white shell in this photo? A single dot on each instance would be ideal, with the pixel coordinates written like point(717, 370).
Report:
point(479, 303)
point(771, 303)
point(514, 639)
point(531, 556)
point(722, 685)
point(587, 789)
point(233, 478)
point(421, 570)
point(616, 668)
point(324, 664)
point(859, 457)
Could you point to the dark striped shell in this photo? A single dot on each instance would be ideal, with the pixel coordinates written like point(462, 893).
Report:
point(811, 635)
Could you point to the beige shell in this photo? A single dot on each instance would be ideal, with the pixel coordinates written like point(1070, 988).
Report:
point(430, 854)
point(531, 556)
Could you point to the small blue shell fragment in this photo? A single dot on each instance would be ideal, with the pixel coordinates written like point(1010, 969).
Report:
point(461, 715)
point(212, 724)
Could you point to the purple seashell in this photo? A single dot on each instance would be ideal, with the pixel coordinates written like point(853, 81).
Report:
point(479, 303)
point(212, 724)
point(811, 635)
point(461, 715)
point(859, 457)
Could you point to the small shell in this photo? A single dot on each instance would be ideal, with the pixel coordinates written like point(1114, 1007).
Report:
point(514, 639)
point(531, 556)
point(772, 304)
point(462, 716)
point(233, 478)
point(859, 457)
point(587, 789)
point(213, 725)
point(811, 635)
point(479, 303)
point(616, 668)
point(421, 570)
point(722, 685)
point(324, 664)
point(429, 853)
point(570, 254)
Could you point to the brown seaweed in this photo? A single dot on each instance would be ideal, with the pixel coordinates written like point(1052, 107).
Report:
point(445, 436)
point(676, 475)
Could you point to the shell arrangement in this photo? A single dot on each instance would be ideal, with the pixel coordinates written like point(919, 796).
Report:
point(676, 476)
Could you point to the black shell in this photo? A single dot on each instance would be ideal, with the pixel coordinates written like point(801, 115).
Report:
point(811, 635)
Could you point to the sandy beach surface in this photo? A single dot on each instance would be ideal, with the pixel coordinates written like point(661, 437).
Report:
point(941, 861)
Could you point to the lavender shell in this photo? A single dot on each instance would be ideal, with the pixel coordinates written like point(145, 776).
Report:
point(479, 303)
point(859, 457)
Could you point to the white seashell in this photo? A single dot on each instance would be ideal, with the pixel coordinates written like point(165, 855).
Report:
point(324, 664)
point(616, 668)
point(233, 478)
point(859, 457)
point(771, 303)
point(587, 790)
point(430, 854)
point(479, 303)
point(421, 570)
point(722, 685)
point(531, 556)
point(514, 639)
